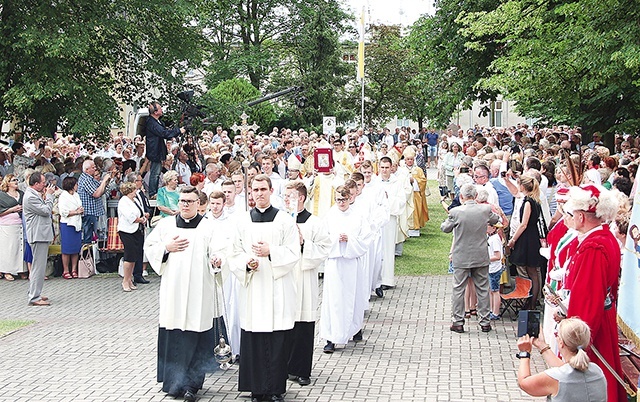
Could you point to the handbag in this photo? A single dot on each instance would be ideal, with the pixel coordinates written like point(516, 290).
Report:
point(154, 221)
point(631, 395)
point(543, 231)
point(86, 265)
point(114, 243)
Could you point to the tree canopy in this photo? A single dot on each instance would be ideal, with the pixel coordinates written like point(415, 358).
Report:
point(70, 63)
point(568, 61)
point(228, 100)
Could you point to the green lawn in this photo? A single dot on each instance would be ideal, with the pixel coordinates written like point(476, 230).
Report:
point(7, 326)
point(429, 253)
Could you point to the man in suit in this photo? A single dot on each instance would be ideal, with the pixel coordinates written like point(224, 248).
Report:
point(37, 205)
point(469, 255)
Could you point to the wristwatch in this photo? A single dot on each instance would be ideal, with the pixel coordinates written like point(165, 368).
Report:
point(523, 355)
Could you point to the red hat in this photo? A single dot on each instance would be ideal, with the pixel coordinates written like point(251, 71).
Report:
point(595, 193)
point(562, 195)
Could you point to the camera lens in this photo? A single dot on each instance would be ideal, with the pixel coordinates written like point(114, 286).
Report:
point(503, 174)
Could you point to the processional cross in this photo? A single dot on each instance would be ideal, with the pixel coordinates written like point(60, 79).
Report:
point(244, 126)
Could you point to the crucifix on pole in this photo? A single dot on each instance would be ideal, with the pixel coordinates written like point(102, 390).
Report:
point(244, 126)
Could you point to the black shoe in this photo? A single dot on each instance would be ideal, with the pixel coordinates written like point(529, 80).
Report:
point(330, 347)
point(189, 395)
point(256, 397)
point(140, 279)
point(304, 381)
point(276, 398)
point(485, 328)
point(358, 337)
point(386, 287)
point(379, 293)
point(292, 377)
point(457, 328)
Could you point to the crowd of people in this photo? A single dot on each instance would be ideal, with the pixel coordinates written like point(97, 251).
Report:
point(561, 209)
point(255, 218)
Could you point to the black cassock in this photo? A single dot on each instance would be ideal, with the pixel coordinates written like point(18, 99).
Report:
point(263, 367)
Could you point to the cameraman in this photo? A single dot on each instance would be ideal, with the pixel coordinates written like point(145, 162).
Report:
point(156, 147)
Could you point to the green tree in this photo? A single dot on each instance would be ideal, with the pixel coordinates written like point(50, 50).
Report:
point(244, 36)
point(279, 44)
point(311, 57)
point(574, 62)
point(449, 71)
point(228, 100)
point(385, 75)
point(69, 63)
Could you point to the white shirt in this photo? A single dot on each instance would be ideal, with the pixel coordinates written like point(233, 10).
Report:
point(184, 172)
point(128, 212)
point(67, 203)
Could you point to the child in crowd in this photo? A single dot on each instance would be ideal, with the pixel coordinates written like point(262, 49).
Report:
point(495, 270)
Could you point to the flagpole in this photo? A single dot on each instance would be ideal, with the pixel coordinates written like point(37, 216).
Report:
point(362, 106)
point(361, 67)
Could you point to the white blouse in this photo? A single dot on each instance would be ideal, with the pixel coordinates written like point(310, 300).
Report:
point(67, 203)
point(128, 212)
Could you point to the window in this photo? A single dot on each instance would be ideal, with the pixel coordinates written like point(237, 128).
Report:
point(496, 114)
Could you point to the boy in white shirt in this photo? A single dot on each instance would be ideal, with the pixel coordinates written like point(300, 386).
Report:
point(495, 270)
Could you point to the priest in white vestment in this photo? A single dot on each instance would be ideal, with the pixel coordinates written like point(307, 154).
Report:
point(404, 179)
point(315, 246)
point(182, 251)
point(340, 319)
point(397, 199)
point(223, 222)
point(374, 193)
point(264, 253)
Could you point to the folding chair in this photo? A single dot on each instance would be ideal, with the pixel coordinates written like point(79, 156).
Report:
point(515, 300)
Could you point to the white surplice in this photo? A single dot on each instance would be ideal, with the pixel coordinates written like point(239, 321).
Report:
point(223, 231)
point(340, 317)
point(267, 295)
point(190, 291)
point(396, 197)
point(317, 245)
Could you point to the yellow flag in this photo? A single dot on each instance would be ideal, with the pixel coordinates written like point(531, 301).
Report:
point(360, 75)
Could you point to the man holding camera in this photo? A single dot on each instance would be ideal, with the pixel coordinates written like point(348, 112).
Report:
point(37, 205)
point(156, 147)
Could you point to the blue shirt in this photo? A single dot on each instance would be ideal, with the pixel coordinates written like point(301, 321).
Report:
point(87, 185)
point(432, 139)
point(505, 198)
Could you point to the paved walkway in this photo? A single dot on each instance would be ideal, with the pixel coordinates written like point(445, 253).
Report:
point(97, 343)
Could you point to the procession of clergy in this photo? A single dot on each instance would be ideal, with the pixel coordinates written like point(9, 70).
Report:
point(253, 275)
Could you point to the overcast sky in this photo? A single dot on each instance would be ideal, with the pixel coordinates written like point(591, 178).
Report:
point(404, 12)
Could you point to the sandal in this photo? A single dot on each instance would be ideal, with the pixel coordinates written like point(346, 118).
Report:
point(467, 314)
point(9, 277)
point(75, 274)
point(66, 275)
point(473, 311)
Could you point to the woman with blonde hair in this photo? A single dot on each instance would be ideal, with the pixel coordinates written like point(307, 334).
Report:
point(525, 243)
point(574, 378)
point(11, 228)
point(131, 221)
point(168, 195)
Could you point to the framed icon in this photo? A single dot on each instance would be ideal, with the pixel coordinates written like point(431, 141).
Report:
point(323, 159)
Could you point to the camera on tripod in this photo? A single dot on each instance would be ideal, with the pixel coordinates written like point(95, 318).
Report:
point(189, 112)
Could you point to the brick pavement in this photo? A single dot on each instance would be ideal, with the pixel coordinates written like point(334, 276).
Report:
point(97, 343)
